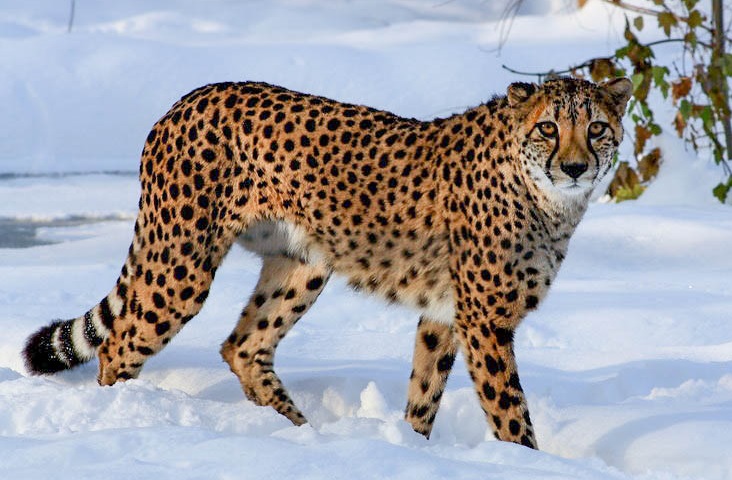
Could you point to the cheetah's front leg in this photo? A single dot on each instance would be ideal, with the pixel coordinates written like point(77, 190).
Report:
point(488, 351)
point(488, 308)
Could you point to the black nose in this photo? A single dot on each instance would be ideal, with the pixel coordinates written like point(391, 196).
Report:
point(574, 170)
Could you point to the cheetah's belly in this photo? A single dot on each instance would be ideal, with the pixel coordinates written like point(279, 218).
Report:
point(412, 273)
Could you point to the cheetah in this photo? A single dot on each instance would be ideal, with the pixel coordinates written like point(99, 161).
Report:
point(465, 219)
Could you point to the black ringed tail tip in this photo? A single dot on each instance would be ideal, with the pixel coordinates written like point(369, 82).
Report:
point(40, 354)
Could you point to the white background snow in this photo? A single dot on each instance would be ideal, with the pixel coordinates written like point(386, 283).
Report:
point(627, 365)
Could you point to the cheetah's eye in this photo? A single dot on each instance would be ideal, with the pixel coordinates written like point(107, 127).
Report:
point(547, 129)
point(597, 129)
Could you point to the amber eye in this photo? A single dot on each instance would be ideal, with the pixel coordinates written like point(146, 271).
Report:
point(547, 129)
point(597, 129)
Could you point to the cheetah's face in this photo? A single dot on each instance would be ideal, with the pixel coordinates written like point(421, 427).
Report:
point(570, 130)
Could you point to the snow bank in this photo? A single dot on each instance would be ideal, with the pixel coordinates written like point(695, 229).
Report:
point(626, 365)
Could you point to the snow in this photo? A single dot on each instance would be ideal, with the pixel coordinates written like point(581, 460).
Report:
point(627, 365)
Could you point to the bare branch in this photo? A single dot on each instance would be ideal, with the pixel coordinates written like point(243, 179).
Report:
point(644, 10)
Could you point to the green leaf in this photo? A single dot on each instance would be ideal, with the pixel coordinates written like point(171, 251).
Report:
point(655, 129)
point(646, 110)
point(667, 20)
point(638, 23)
point(721, 191)
point(658, 75)
point(637, 80)
point(685, 109)
point(727, 64)
point(629, 193)
point(707, 116)
point(695, 19)
point(690, 4)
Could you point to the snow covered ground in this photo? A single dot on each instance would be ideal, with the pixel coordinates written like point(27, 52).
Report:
point(627, 365)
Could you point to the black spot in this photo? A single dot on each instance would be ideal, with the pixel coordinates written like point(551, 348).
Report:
point(186, 293)
point(513, 382)
point(504, 336)
point(259, 300)
point(514, 427)
point(186, 167)
point(199, 299)
point(526, 442)
point(230, 101)
point(491, 364)
point(505, 401)
point(445, 363)
point(314, 283)
point(180, 272)
point(106, 313)
point(211, 138)
point(430, 341)
point(365, 200)
point(186, 212)
point(162, 327)
point(489, 391)
point(497, 421)
point(145, 350)
point(263, 324)
point(158, 300)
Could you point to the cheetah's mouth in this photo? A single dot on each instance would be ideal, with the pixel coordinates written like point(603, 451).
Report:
point(574, 186)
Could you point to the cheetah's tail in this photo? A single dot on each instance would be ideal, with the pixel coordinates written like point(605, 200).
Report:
point(65, 344)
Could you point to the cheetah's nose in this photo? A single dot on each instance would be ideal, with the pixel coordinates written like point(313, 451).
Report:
point(574, 170)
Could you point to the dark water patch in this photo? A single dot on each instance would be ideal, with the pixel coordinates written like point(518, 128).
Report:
point(113, 173)
point(23, 233)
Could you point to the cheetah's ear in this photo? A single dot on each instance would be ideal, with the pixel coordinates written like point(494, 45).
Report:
point(520, 92)
point(620, 90)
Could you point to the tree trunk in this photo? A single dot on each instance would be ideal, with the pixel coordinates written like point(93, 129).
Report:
point(719, 79)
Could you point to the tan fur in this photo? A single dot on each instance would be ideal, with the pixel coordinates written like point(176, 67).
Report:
point(465, 219)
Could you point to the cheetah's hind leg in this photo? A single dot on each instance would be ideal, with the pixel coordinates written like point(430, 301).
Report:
point(434, 353)
point(286, 289)
point(159, 299)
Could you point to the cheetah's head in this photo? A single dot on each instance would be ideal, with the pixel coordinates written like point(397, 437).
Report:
point(569, 131)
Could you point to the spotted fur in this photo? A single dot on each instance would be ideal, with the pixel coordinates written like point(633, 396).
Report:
point(465, 219)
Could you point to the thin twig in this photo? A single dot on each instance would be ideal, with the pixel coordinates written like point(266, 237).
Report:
point(644, 10)
point(586, 63)
point(71, 15)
